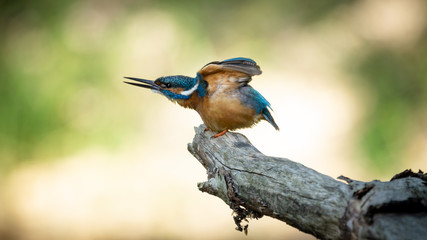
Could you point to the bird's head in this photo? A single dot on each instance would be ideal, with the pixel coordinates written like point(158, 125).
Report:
point(173, 87)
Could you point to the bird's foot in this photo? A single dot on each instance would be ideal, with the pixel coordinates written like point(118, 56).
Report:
point(221, 133)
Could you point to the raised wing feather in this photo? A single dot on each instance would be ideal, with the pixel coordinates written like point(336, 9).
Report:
point(233, 71)
point(241, 65)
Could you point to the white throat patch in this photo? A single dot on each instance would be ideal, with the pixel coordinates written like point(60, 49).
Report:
point(191, 90)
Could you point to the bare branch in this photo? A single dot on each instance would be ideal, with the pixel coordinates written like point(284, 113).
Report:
point(254, 185)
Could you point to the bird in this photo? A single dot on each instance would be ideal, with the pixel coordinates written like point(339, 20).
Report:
point(220, 93)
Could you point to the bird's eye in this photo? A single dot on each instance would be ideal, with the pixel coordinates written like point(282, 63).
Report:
point(165, 85)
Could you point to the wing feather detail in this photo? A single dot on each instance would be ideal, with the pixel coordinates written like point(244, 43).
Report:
point(237, 71)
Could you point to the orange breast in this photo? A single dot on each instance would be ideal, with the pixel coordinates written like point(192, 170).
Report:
point(221, 108)
point(224, 111)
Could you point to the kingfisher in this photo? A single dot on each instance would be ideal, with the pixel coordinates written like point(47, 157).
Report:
point(220, 93)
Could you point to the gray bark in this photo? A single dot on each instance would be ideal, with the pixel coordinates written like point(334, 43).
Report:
point(254, 185)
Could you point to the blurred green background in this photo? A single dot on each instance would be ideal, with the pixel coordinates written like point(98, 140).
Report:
point(347, 81)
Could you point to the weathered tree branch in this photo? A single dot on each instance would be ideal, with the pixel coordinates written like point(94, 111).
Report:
point(254, 185)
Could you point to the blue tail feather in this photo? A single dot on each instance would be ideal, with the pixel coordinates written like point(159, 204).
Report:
point(269, 118)
point(253, 98)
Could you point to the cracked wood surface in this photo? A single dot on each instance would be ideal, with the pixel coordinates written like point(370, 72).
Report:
point(254, 185)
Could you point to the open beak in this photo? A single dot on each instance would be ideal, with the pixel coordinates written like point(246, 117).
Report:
point(143, 83)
